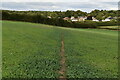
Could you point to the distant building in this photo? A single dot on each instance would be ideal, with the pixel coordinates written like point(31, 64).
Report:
point(49, 16)
point(78, 18)
point(66, 18)
point(89, 18)
point(94, 19)
point(74, 19)
point(82, 18)
point(115, 17)
point(108, 19)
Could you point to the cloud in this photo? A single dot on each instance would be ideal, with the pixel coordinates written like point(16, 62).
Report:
point(60, 1)
point(59, 6)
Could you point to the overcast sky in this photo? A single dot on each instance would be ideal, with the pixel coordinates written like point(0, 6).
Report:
point(60, 5)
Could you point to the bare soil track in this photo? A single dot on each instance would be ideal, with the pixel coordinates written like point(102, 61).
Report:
point(62, 70)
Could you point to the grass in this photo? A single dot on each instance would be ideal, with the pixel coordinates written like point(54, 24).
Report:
point(91, 54)
point(30, 50)
point(33, 51)
point(109, 27)
point(0, 50)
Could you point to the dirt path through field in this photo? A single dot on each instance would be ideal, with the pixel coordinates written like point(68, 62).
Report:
point(62, 70)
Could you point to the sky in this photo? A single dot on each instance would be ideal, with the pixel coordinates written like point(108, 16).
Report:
point(59, 5)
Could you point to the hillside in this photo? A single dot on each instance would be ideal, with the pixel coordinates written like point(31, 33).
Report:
point(34, 51)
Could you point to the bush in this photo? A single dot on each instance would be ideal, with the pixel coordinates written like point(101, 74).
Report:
point(85, 24)
point(108, 23)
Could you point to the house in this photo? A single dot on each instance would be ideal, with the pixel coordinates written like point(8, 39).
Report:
point(82, 18)
point(115, 18)
point(108, 19)
point(66, 18)
point(94, 19)
point(78, 18)
point(74, 19)
point(49, 16)
point(89, 18)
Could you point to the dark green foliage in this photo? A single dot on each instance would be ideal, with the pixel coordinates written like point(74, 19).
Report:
point(108, 23)
point(38, 18)
point(85, 24)
point(5, 15)
point(103, 14)
point(57, 18)
point(89, 18)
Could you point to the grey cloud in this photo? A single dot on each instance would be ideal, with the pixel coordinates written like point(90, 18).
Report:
point(52, 6)
point(14, 5)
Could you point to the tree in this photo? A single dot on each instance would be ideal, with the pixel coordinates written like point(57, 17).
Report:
point(100, 16)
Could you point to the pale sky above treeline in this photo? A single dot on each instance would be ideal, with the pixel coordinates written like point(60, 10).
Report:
point(60, 5)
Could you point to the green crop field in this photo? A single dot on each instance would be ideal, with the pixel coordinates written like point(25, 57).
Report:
point(110, 27)
point(30, 51)
point(33, 51)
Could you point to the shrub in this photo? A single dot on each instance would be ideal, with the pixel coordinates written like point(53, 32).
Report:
point(85, 24)
point(108, 23)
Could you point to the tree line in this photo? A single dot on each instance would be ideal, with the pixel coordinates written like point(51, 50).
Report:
point(57, 17)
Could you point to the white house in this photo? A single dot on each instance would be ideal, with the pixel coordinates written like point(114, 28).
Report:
point(66, 18)
point(94, 19)
point(49, 16)
point(82, 18)
point(74, 19)
point(107, 19)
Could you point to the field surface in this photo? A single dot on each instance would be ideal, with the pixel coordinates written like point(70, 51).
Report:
point(110, 27)
point(34, 51)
